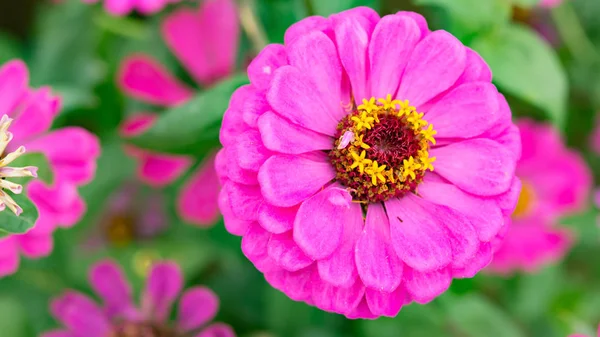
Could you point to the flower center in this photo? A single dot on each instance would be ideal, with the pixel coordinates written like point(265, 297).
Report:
point(141, 329)
point(120, 229)
point(382, 150)
point(526, 200)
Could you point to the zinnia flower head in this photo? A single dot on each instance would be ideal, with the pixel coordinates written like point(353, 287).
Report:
point(71, 151)
point(124, 7)
point(120, 317)
point(205, 41)
point(368, 163)
point(555, 181)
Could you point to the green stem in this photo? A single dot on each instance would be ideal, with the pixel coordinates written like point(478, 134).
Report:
point(573, 35)
point(251, 25)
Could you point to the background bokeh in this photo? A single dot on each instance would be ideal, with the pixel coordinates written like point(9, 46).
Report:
point(547, 62)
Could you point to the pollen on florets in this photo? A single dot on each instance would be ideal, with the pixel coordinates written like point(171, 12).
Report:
point(382, 150)
point(11, 172)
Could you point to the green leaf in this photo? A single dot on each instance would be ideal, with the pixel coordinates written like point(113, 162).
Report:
point(38, 160)
point(473, 316)
point(525, 3)
point(11, 223)
point(192, 128)
point(525, 66)
point(326, 8)
point(278, 15)
point(413, 320)
point(15, 323)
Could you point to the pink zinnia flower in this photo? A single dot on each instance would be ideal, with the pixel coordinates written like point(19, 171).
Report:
point(71, 151)
point(120, 317)
point(205, 41)
point(361, 225)
point(123, 7)
point(555, 181)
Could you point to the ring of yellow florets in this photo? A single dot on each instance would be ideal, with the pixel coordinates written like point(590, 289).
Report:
point(382, 150)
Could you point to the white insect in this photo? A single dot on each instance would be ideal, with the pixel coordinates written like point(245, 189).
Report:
point(346, 139)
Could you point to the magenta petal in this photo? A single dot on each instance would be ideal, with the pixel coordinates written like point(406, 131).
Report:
point(508, 201)
point(162, 288)
point(283, 250)
point(233, 224)
point(387, 304)
point(236, 173)
point(58, 333)
point(297, 285)
point(37, 113)
point(393, 41)
point(13, 84)
point(277, 220)
point(282, 136)
point(478, 166)
point(256, 104)
point(217, 330)
point(482, 258)
point(315, 54)
point(423, 287)
point(36, 245)
point(484, 214)
point(319, 225)
point(466, 111)
point(80, 314)
point(288, 180)
point(197, 306)
point(205, 42)
point(262, 68)
point(245, 200)
point(110, 284)
point(9, 255)
point(119, 7)
point(255, 247)
point(476, 69)
point(339, 269)
point(145, 79)
point(362, 310)
point(233, 122)
point(419, 19)
point(340, 300)
point(306, 25)
point(378, 265)
point(197, 201)
point(435, 65)
point(418, 237)
point(249, 151)
point(162, 169)
point(295, 96)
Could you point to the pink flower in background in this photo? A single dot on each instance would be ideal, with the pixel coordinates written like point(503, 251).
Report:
point(124, 7)
point(550, 3)
point(119, 316)
point(334, 219)
point(555, 181)
point(71, 151)
point(205, 42)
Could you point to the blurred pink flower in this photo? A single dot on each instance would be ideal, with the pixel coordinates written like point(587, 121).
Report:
point(550, 3)
point(119, 316)
point(205, 41)
point(555, 181)
point(72, 153)
point(124, 7)
point(297, 188)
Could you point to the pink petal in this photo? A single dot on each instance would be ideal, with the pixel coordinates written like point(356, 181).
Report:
point(484, 214)
point(295, 96)
point(162, 288)
point(418, 235)
point(143, 78)
point(283, 250)
point(393, 41)
point(255, 245)
point(162, 169)
point(233, 122)
point(256, 104)
point(296, 285)
point(36, 245)
point(245, 200)
point(339, 269)
point(37, 113)
point(282, 136)
point(13, 85)
point(340, 300)
point(150, 6)
point(9, 255)
point(119, 7)
point(197, 201)
point(435, 65)
point(315, 55)
point(476, 69)
point(465, 112)
point(362, 311)
point(419, 19)
point(136, 124)
point(235, 172)
point(233, 224)
point(286, 181)
point(197, 306)
point(277, 220)
point(352, 34)
point(205, 42)
point(378, 265)
point(306, 25)
point(58, 333)
point(387, 304)
point(109, 282)
point(262, 68)
point(249, 151)
point(217, 330)
point(80, 314)
point(508, 201)
point(319, 224)
point(477, 263)
point(478, 166)
point(423, 287)
point(61, 203)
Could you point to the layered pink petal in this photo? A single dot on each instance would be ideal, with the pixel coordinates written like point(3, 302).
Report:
point(110, 284)
point(13, 85)
point(197, 201)
point(217, 330)
point(283, 250)
point(162, 288)
point(249, 151)
point(336, 299)
point(80, 314)
point(245, 200)
point(386, 304)
point(297, 285)
point(476, 69)
point(197, 306)
point(262, 68)
point(277, 220)
point(255, 245)
point(37, 112)
point(309, 24)
point(9, 255)
point(282, 136)
point(423, 287)
point(233, 224)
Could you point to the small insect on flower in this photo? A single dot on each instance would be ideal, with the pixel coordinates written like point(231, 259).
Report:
point(11, 172)
point(346, 139)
